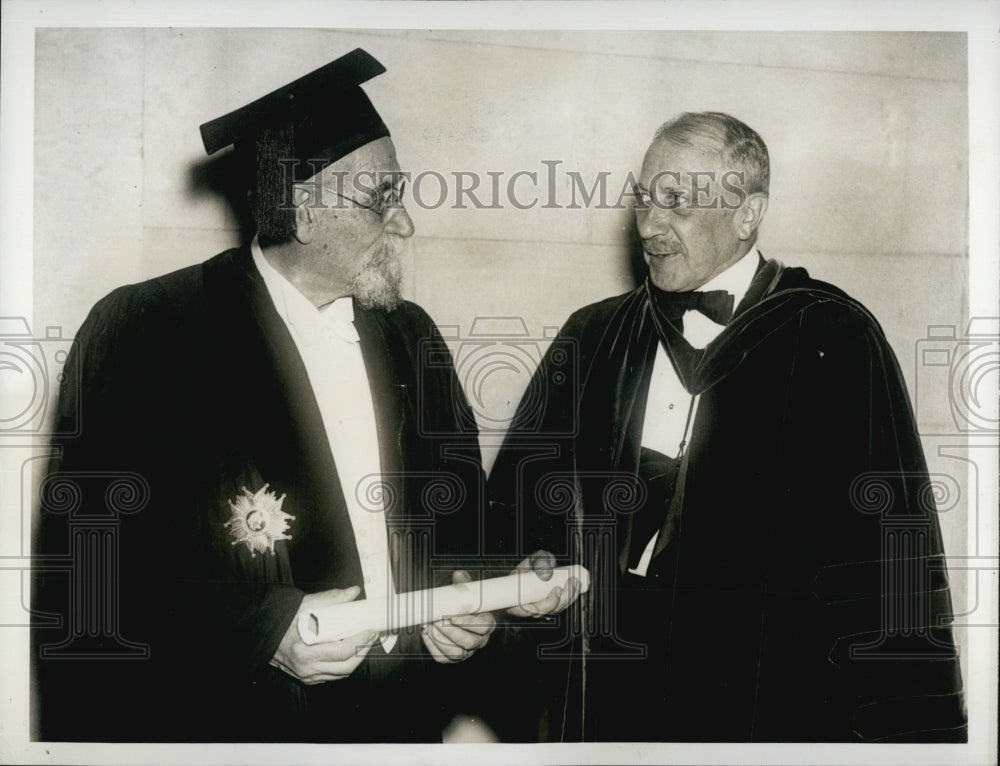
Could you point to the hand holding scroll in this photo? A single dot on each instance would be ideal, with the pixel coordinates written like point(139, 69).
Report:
point(456, 638)
point(542, 563)
point(328, 660)
point(464, 598)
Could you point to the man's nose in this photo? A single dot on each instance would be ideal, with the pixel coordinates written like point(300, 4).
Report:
point(651, 220)
point(399, 222)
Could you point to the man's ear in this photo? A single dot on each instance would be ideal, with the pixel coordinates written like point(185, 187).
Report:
point(750, 214)
point(305, 215)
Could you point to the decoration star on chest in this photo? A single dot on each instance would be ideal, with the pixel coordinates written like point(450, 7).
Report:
point(258, 521)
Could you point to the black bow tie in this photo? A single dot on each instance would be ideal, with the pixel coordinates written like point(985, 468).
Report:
point(717, 305)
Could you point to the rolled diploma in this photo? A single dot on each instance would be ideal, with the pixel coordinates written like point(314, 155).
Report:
point(383, 615)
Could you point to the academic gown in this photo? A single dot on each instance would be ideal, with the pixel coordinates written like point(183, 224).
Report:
point(189, 389)
point(798, 591)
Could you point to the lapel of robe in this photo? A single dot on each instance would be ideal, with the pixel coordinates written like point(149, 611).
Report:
point(392, 382)
point(276, 423)
point(762, 311)
point(709, 367)
point(619, 375)
point(634, 382)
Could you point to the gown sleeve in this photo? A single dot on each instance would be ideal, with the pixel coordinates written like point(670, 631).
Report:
point(131, 592)
point(880, 574)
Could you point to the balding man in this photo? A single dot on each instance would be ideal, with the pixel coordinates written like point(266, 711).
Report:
point(712, 470)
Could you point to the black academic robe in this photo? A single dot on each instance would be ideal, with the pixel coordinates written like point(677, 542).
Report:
point(154, 623)
point(798, 592)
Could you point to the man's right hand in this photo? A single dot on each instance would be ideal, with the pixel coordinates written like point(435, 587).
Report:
point(328, 660)
point(542, 563)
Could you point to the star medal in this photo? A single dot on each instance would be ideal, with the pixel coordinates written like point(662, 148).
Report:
point(258, 520)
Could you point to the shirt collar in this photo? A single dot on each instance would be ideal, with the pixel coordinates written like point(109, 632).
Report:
point(297, 311)
point(737, 278)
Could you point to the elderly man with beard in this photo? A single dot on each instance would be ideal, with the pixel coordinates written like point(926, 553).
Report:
point(272, 406)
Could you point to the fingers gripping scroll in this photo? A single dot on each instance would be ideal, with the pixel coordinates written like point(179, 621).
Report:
point(324, 661)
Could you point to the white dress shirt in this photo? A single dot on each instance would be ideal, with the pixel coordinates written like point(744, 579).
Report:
point(668, 405)
point(331, 351)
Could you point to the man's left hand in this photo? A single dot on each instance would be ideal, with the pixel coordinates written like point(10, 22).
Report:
point(456, 638)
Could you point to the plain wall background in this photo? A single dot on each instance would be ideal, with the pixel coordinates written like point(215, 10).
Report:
point(867, 134)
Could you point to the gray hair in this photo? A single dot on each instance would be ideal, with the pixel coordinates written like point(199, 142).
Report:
point(740, 146)
point(270, 183)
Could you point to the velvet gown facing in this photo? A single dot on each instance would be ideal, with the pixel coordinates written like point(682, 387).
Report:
point(798, 592)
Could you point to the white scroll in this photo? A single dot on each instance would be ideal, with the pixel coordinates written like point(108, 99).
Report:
point(383, 615)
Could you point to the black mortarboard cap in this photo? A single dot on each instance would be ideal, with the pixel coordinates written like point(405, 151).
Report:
point(326, 115)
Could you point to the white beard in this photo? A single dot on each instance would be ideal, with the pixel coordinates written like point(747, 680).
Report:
point(377, 284)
